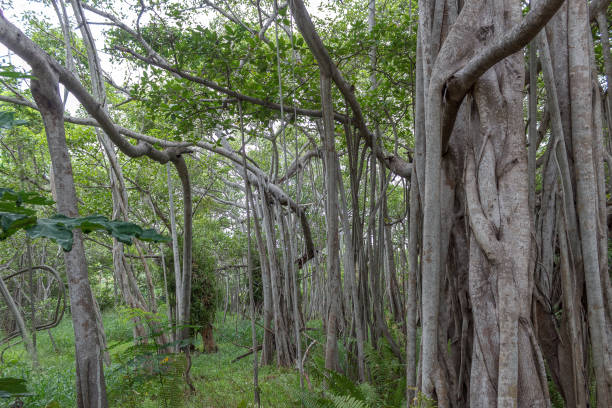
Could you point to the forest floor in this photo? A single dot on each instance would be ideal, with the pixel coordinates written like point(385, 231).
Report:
point(218, 381)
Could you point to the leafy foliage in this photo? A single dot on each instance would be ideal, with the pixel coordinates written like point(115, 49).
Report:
point(8, 71)
point(59, 228)
point(8, 121)
point(12, 387)
point(205, 294)
point(148, 364)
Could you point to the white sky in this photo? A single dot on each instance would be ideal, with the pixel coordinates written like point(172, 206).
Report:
point(14, 15)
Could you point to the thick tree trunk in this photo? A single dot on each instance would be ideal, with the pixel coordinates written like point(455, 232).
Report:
point(506, 364)
point(90, 384)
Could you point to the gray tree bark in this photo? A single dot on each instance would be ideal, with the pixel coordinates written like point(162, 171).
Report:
point(26, 336)
point(331, 217)
point(90, 384)
point(586, 189)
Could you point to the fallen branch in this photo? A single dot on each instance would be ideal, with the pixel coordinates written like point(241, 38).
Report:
point(248, 353)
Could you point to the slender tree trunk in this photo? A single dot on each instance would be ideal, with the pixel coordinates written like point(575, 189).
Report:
point(291, 239)
point(166, 294)
point(411, 295)
point(268, 312)
point(31, 345)
point(250, 266)
point(281, 334)
point(350, 277)
point(19, 320)
point(175, 255)
point(586, 188)
point(331, 216)
point(184, 291)
point(33, 298)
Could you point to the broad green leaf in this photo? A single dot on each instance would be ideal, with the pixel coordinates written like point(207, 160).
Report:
point(15, 74)
point(34, 198)
point(153, 236)
point(10, 207)
point(53, 228)
point(8, 121)
point(11, 223)
point(21, 197)
point(124, 231)
point(58, 228)
point(86, 224)
point(12, 387)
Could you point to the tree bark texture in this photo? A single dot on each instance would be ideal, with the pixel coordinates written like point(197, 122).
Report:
point(90, 384)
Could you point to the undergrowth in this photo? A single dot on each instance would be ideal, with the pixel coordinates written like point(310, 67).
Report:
point(143, 375)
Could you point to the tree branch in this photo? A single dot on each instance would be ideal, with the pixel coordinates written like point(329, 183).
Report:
point(159, 61)
point(481, 226)
point(597, 6)
point(299, 164)
point(216, 87)
point(38, 59)
point(514, 40)
point(395, 163)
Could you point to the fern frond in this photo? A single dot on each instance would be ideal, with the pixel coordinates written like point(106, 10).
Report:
point(347, 401)
point(371, 395)
point(312, 400)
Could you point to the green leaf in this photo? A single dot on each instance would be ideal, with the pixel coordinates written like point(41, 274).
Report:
point(53, 228)
point(12, 387)
point(124, 231)
point(34, 198)
point(58, 228)
point(11, 223)
point(8, 121)
point(10, 207)
point(153, 236)
point(9, 72)
point(21, 197)
point(86, 224)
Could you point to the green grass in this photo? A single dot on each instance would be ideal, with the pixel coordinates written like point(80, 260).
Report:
point(55, 379)
point(219, 383)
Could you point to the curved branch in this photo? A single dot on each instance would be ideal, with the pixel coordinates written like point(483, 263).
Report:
point(515, 39)
point(38, 59)
point(159, 61)
point(481, 226)
point(298, 164)
point(508, 44)
point(60, 307)
point(395, 163)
